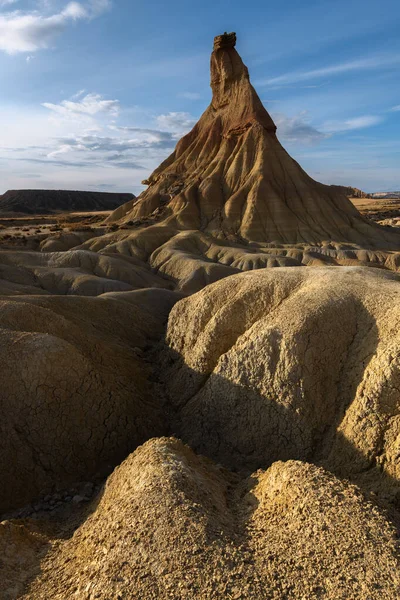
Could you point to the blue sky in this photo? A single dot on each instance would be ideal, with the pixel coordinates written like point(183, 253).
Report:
point(94, 94)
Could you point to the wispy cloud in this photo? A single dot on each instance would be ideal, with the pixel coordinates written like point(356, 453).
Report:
point(126, 148)
point(396, 108)
point(180, 122)
point(150, 137)
point(361, 64)
point(351, 124)
point(78, 94)
point(114, 148)
point(22, 31)
point(91, 104)
point(297, 129)
point(121, 164)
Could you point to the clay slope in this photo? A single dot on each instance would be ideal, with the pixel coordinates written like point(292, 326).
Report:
point(291, 364)
point(74, 272)
point(292, 370)
point(50, 201)
point(170, 524)
point(75, 397)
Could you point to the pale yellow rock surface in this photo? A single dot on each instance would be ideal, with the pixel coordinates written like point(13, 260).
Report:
point(290, 363)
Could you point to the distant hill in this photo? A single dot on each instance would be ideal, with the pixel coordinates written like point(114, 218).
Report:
point(50, 201)
point(385, 195)
point(352, 191)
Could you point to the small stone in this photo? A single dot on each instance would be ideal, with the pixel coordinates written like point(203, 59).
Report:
point(87, 489)
point(78, 499)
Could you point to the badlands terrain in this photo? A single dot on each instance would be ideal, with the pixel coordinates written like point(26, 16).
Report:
point(200, 390)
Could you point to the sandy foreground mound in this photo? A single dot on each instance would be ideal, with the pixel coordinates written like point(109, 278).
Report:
point(76, 272)
point(170, 524)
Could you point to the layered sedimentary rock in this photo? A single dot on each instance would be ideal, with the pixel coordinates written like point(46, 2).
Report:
point(289, 370)
point(231, 177)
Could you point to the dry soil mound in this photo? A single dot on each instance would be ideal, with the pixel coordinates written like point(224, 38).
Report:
point(76, 272)
point(287, 364)
point(170, 524)
point(290, 363)
point(74, 394)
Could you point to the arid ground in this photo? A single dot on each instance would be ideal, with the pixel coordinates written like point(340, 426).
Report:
point(200, 391)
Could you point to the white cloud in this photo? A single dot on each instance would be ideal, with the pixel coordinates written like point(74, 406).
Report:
point(74, 10)
point(90, 105)
point(76, 141)
point(361, 64)
point(179, 122)
point(120, 146)
point(31, 31)
point(128, 147)
point(78, 94)
point(396, 108)
point(29, 58)
point(351, 124)
point(297, 129)
point(7, 2)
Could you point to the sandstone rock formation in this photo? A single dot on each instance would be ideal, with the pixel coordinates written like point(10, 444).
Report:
point(231, 177)
point(352, 192)
point(50, 201)
point(231, 198)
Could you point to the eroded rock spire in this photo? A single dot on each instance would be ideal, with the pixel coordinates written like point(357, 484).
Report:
point(231, 177)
